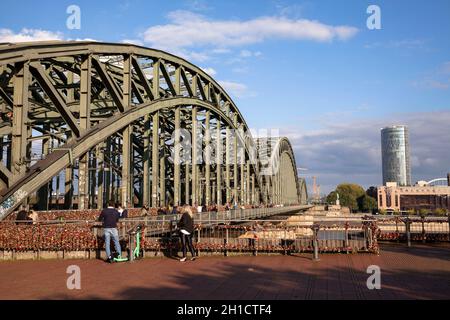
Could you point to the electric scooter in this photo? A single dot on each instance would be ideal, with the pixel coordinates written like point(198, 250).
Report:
point(136, 253)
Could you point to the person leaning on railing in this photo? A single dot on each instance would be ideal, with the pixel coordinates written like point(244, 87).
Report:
point(110, 216)
point(186, 227)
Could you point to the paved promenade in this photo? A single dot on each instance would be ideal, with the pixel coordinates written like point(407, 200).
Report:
point(421, 272)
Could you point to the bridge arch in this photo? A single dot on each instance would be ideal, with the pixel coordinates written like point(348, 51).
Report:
point(113, 113)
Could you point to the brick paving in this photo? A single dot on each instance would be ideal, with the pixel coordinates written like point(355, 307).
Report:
point(421, 272)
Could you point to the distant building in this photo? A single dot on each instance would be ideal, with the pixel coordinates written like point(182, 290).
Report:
point(395, 155)
point(421, 196)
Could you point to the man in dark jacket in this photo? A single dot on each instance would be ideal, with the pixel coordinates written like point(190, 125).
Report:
point(109, 217)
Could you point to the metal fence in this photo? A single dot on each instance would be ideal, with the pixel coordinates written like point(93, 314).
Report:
point(235, 232)
point(264, 237)
point(413, 228)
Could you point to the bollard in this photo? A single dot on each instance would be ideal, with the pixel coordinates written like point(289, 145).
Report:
point(423, 230)
point(316, 242)
point(198, 241)
point(449, 226)
point(225, 242)
point(408, 231)
point(131, 254)
point(346, 237)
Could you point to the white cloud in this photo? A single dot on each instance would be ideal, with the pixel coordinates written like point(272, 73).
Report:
point(249, 54)
point(27, 35)
point(133, 41)
point(187, 29)
point(350, 151)
point(210, 71)
point(436, 79)
point(236, 89)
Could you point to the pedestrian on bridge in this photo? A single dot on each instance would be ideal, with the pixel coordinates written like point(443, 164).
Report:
point(110, 216)
point(186, 226)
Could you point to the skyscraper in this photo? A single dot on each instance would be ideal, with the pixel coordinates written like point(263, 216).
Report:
point(395, 155)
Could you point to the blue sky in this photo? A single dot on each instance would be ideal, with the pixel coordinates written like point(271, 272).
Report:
point(312, 69)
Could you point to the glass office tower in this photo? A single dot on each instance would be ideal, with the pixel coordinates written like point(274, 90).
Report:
point(395, 155)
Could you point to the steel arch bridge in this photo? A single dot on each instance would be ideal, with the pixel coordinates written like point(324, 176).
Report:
point(105, 121)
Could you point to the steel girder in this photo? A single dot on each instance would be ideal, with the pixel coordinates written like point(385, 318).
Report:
point(108, 112)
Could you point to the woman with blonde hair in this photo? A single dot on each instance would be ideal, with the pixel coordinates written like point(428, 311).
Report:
point(186, 226)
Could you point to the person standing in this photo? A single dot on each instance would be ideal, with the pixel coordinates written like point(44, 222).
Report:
point(33, 216)
point(123, 213)
point(186, 226)
point(110, 216)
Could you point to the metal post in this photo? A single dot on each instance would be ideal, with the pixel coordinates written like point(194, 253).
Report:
point(226, 242)
point(408, 231)
point(146, 162)
point(423, 230)
point(155, 159)
point(177, 160)
point(208, 159)
point(219, 160)
point(131, 254)
point(195, 135)
point(316, 228)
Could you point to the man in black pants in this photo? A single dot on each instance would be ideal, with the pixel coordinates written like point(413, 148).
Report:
point(186, 225)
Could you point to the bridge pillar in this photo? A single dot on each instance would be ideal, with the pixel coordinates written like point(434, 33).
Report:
point(85, 123)
point(208, 159)
point(126, 166)
point(219, 161)
point(21, 81)
point(235, 162)
point(176, 164)
point(155, 159)
point(227, 163)
point(195, 135)
point(43, 196)
point(146, 162)
point(162, 166)
point(100, 155)
point(247, 183)
point(253, 199)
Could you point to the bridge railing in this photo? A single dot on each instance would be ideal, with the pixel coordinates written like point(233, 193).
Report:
point(229, 233)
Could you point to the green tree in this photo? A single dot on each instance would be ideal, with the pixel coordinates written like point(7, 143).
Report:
point(440, 212)
point(367, 203)
point(332, 197)
point(349, 193)
point(372, 192)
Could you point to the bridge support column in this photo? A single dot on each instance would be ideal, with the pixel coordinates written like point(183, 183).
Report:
point(207, 161)
point(100, 178)
point(187, 182)
point(20, 118)
point(146, 162)
point(195, 134)
point(227, 164)
point(247, 183)
point(235, 162)
point(219, 161)
point(162, 167)
point(92, 169)
point(253, 199)
point(85, 122)
point(43, 196)
point(177, 160)
point(155, 159)
point(126, 166)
